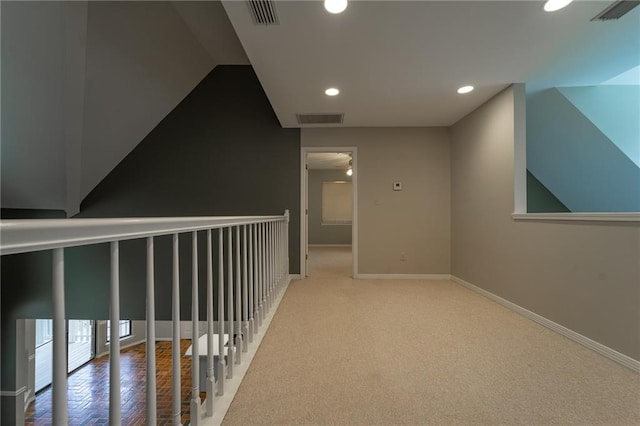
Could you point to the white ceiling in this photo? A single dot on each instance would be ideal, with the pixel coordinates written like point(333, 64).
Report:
point(399, 63)
point(328, 160)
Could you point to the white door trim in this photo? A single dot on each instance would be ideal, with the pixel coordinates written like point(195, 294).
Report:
point(303, 197)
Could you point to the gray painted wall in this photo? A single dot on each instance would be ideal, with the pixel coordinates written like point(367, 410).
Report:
point(414, 221)
point(319, 233)
point(584, 276)
point(78, 95)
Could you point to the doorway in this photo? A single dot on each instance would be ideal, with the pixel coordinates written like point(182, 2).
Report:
point(80, 348)
point(329, 182)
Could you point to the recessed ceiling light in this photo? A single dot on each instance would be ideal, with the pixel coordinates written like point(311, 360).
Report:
point(465, 89)
point(335, 6)
point(553, 5)
point(332, 91)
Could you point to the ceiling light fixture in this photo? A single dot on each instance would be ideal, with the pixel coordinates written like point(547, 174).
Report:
point(465, 89)
point(553, 5)
point(335, 6)
point(350, 169)
point(332, 91)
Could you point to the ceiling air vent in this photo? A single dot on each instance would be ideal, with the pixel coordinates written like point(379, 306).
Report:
point(263, 12)
point(616, 11)
point(320, 118)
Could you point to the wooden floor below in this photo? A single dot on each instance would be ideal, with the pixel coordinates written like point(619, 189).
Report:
point(88, 390)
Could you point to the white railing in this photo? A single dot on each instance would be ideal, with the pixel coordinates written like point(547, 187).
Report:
point(257, 268)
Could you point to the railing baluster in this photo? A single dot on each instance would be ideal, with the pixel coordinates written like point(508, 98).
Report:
point(238, 322)
point(262, 275)
point(175, 347)
point(151, 336)
point(221, 359)
point(230, 347)
point(245, 296)
point(114, 343)
point(195, 334)
point(270, 259)
point(256, 301)
point(251, 309)
point(59, 386)
point(210, 331)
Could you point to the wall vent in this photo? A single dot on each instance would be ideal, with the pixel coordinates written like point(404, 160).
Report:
point(320, 118)
point(263, 12)
point(617, 10)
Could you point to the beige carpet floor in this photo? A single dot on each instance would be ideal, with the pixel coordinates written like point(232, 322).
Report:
point(349, 352)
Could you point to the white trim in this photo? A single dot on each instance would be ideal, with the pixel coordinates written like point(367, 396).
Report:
point(303, 194)
point(20, 236)
point(295, 277)
point(329, 245)
point(15, 393)
point(519, 148)
point(403, 276)
point(593, 217)
point(606, 351)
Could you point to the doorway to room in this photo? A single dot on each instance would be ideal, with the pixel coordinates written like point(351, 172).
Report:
point(329, 208)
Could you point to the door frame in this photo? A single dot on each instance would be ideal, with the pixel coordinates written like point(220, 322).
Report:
point(304, 193)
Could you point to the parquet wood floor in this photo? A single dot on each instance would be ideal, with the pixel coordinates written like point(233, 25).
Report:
point(88, 390)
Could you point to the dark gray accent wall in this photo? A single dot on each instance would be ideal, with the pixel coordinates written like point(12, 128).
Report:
point(540, 199)
point(319, 233)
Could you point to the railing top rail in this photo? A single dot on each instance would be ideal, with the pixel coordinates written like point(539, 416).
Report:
point(27, 235)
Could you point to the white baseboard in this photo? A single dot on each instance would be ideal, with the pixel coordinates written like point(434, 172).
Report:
point(403, 276)
point(295, 277)
point(14, 393)
point(606, 351)
point(329, 245)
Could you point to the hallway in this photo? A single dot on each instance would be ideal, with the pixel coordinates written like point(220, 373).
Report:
point(341, 351)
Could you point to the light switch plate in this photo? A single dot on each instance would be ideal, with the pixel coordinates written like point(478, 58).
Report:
point(397, 186)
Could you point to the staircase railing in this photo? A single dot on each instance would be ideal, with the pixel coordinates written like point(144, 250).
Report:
point(257, 268)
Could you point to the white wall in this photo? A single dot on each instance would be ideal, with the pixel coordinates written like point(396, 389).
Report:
point(414, 221)
point(584, 276)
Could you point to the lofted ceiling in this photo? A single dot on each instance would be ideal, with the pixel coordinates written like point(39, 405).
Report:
point(399, 63)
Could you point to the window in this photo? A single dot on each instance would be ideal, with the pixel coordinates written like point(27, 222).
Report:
point(124, 329)
point(337, 203)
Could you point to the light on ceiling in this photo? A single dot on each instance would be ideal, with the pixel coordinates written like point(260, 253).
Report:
point(350, 169)
point(465, 89)
point(553, 5)
point(332, 91)
point(335, 6)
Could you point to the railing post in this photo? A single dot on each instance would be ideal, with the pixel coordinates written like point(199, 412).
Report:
point(286, 245)
point(245, 296)
point(231, 327)
point(59, 385)
point(151, 336)
point(263, 267)
point(210, 331)
point(221, 359)
point(114, 343)
point(175, 347)
point(195, 334)
point(252, 328)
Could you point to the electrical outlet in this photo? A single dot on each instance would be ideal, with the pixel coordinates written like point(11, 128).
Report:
point(397, 186)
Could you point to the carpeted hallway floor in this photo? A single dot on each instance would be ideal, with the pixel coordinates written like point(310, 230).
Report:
point(343, 351)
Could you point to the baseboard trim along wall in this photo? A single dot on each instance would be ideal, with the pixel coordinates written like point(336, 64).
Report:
point(329, 245)
point(570, 334)
point(403, 276)
point(15, 393)
point(295, 277)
